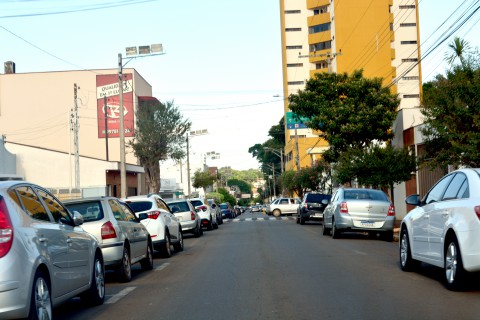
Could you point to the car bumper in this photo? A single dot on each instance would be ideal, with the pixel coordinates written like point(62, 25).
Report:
point(345, 223)
point(312, 215)
point(188, 225)
point(470, 250)
point(112, 253)
point(15, 286)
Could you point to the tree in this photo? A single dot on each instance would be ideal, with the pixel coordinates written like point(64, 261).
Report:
point(159, 135)
point(276, 142)
point(459, 49)
point(451, 108)
point(244, 186)
point(349, 111)
point(203, 179)
point(227, 197)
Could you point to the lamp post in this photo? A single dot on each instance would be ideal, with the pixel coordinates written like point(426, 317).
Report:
point(280, 154)
point(131, 53)
point(192, 134)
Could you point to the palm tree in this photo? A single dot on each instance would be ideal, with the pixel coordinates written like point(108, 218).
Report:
point(459, 48)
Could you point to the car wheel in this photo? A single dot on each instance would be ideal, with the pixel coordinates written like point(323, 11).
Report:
point(298, 219)
point(40, 302)
point(336, 233)
point(325, 230)
point(210, 225)
point(277, 213)
point(302, 221)
point(147, 262)
point(96, 293)
point(166, 251)
point(215, 226)
point(178, 246)
point(125, 270)
point(407, 263)
point(198, 231)
point(454, 272)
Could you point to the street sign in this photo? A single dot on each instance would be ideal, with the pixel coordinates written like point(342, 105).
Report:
point(294, 121)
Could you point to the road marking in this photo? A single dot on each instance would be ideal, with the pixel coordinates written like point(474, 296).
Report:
point(361, 253)
point(120, 295)
point(162, 266)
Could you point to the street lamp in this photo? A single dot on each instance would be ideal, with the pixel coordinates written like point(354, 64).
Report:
point(192, 134)
point(280, 154)
point(131, 53)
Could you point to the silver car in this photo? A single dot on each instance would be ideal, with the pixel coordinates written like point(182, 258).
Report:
point(285, 206)
point(123, 239)
point(45, 257)
point(187, 215)
point(359, 209)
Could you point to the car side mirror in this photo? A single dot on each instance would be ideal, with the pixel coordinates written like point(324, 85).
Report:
point(413, 200)
point(77, 218)
point(142, 216)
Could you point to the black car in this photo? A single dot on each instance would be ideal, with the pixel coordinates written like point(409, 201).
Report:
point(312, 206)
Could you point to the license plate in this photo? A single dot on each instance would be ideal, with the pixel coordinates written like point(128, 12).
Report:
point(368, 224)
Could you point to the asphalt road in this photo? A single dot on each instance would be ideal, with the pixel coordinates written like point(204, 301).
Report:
point(258, 267)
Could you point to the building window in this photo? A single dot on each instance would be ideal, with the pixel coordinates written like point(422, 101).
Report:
point(320, 10)
point(410, 60)
point(321, 65)
point(408, 42)
point(292, 65)
point(320, 46)
point(410, 78)
point(411, 96)
point(292, 11)
point(296, 83)
point(412, 24)
point(294, 47)
point(409, 6)
point(293, 29)
point(319, 28)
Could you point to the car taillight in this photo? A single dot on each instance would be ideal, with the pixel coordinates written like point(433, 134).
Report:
point(305, 205)
point(391, 211)
point(477, 211)
point(154, 214)
point(203, 208)
point(108, 231)
point(192, 215)
point(343, 207)
point(6, 229)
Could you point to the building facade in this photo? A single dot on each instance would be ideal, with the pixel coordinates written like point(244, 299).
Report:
point(63, 128)
point(381, 37)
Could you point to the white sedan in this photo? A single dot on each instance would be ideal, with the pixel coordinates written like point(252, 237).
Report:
point(444, 229)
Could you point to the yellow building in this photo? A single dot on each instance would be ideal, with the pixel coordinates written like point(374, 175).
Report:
point(381, 37)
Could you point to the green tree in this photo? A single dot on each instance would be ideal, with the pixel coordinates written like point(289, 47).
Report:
point(276, 142)
point(203, 179)
point(244, 186)
point(159, 135)
point(451, 107)
point(227, 197)
point(349, 111)
point(459, 49)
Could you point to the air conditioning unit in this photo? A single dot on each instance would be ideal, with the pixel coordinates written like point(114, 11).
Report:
point(9, 67)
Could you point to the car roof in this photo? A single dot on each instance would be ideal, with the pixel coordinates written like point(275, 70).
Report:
point(99, 198)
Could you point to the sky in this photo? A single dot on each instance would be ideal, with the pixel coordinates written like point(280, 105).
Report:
point(222, 64)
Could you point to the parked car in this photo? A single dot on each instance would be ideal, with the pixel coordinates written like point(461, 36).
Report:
point(444, 228)
point(227, 210)
point(123, 239)
point(359, 209)
point(283, 206)
point(188, 216)
point(238, 210)
point(255, 208)
point(45, 258)
point(162, 225)
point(312, 206)
point(217, 210)
point(206, 213)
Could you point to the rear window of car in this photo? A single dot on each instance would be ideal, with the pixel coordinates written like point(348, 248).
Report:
point(317, 197)
point(139, 206)
point(197, 203)
point(91, 211)
point(223, 206)
point(179, 206)
point(365, 195)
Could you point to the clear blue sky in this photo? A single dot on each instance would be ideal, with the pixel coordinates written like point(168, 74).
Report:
point(222, 65)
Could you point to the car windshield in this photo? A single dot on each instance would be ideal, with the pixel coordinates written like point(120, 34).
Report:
point(365, 195)
point(91, 211)
point(139, 206)
point(181, 206)
point(197, 203)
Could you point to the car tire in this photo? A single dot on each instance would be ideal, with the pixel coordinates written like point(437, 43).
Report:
point(302, 221)
point(210, 225)
point(40, 301)
point(198, 231)
point(407, 263)
point(336, 233)
point(276, 213)
point(147, 262)
point(215, 226)
point(325, 230)
point(125, 269)
point(95, 295)
point(455, 274)
point(165, 250)
point(178, 246)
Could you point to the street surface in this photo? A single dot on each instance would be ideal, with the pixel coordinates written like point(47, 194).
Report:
point(259, 267)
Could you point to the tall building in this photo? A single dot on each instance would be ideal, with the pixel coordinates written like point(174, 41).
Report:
point(379, 36)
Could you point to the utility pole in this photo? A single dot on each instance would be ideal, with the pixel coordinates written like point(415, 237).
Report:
point(123, 170)
point(188, 167)
point(105, 113)
point(274, 186)
point(75, 138)
point(329, 56)
point(297, 155)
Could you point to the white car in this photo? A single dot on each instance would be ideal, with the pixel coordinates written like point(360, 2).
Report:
point(207, 215)
point(287, 206)
point(444, 229)
point(162, 225)
point(46, 257)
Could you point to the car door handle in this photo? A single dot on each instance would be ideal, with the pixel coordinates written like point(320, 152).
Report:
point(42, 239)
point(69, 240)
